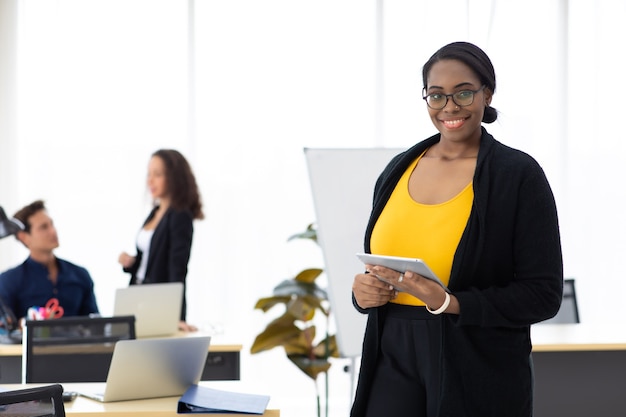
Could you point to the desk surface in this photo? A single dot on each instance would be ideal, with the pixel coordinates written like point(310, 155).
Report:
point(578, 337)
point(16, 349)
point(157, 407)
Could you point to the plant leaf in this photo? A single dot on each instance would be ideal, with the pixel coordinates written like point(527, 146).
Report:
point(309, 233)
point(309, 275)
point(301, 309)
point(311, 367)
point(278, 333)
point(327, 348)
point(318, 303)
point(299, 287)
point(301, 345)
point(268, 302)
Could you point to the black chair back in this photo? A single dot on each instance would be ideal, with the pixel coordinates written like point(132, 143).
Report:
point(46, 401)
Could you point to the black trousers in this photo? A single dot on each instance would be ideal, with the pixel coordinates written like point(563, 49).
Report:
point(408, 372)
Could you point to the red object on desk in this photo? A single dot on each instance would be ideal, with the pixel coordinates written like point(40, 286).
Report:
point(53, 309)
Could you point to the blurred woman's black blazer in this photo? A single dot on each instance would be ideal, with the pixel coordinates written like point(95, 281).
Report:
point(170, 249)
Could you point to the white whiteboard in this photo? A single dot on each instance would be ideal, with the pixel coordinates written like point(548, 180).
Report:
point(342, 182)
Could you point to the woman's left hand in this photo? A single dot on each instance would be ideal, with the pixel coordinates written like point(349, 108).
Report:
point(431, 293)
point(186, 327)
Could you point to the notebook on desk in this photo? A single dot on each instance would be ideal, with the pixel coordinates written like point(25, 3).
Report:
point(156, 307)
point(151, 368)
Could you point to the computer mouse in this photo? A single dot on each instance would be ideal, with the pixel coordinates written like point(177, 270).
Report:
point(69, 396)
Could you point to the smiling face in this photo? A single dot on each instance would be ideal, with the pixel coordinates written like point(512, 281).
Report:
point(456, 123)
point(157, 181)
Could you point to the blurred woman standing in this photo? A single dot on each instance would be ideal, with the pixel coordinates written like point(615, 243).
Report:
point(164, 240)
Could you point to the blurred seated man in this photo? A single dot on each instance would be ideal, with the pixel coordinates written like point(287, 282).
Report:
point(43, 276)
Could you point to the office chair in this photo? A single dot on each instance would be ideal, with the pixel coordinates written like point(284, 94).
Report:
point(568, 313)
point(72, 349)
point(43, 401)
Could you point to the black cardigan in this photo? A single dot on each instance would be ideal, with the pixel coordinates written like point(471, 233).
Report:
point(170, 249)
point(507, 274)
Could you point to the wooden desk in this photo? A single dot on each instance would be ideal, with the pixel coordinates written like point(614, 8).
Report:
point(223, 363)
point(580, 370)
point(157, 407)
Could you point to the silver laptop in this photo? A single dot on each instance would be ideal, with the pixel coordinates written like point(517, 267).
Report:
point(156, 307)
point(150, 368)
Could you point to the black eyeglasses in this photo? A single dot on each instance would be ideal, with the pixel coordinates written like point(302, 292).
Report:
point(438, 101)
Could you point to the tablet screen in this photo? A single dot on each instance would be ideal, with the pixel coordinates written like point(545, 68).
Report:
point(401, 264)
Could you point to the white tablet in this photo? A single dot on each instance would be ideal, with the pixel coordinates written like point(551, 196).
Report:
point(401, 265)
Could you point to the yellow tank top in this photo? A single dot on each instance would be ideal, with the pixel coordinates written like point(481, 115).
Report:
point(427, 231)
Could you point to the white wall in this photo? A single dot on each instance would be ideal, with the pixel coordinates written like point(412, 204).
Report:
point(101, 84)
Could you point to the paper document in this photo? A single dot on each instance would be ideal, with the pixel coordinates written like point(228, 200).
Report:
point(208, 400)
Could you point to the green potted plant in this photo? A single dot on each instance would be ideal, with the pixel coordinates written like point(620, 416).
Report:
point(295, 330)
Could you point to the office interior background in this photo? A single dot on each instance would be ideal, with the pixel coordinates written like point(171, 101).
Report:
point(90, 88)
